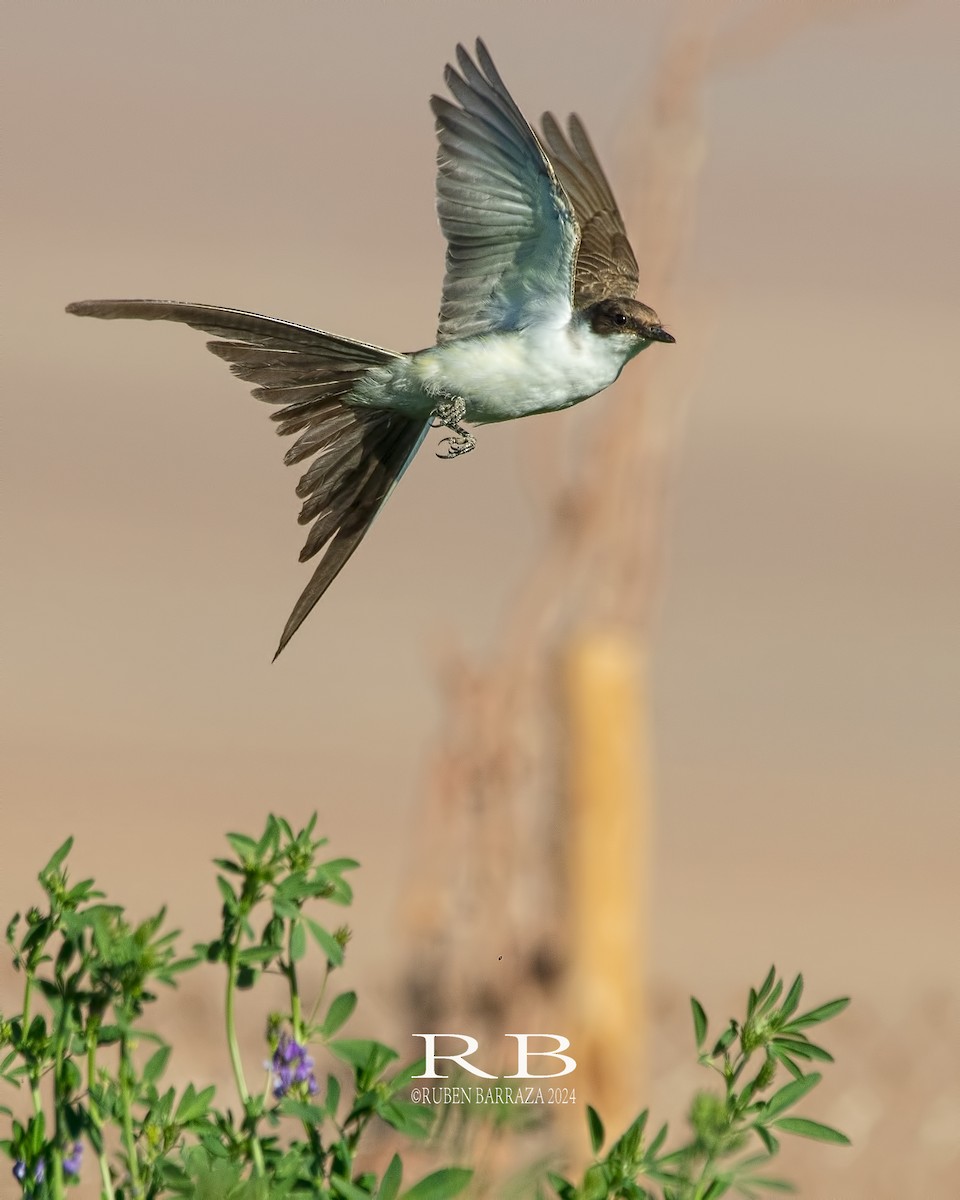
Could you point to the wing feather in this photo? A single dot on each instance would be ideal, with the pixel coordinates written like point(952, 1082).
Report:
point(511, 231)
point(605, 264)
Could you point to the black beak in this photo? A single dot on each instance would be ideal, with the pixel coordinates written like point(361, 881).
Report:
point(656, 334)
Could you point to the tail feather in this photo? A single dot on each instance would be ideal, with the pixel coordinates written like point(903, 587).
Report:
point(306, 413)
point(339, 454)
point(343, 469)
point(253, 329)
point(388, 450)
point(322, 431)
point(361, 452)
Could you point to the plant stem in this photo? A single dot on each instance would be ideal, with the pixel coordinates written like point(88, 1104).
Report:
point(56, 1173)
point(96, 1119)
point(61, 1097)
point(234, 1048)
point(27, 988)
point(126, 1078)
point(296, 1013)
point(296, 1017)
point(321, 993)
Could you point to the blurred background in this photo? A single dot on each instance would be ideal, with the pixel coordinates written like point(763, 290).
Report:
point(789, 188)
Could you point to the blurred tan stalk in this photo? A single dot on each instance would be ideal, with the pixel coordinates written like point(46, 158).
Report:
point(523, 896)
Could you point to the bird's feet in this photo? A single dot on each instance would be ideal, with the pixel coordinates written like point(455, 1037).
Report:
point(448, 415)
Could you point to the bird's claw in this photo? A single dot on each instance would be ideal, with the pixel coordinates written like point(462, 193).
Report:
point(463, 443)
point(448, 416)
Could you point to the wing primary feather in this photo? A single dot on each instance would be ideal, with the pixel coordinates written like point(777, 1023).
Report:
point(605, 263)
point(511, 232)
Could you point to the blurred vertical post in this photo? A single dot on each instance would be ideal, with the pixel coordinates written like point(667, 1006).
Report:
point(609, 796)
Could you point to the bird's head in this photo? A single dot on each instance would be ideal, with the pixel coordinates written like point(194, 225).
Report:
point(630, 318)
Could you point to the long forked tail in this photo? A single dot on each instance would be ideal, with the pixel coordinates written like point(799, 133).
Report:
point(358, 454)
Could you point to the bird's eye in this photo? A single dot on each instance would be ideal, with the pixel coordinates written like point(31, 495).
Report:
point(620, 318)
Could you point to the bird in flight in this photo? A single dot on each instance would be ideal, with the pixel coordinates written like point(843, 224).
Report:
point(538, 312)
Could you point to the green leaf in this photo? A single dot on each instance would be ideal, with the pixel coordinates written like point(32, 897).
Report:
point(799, 1047)
point(270, 839)
point(769, 1141)
point(767, 984)
point(699, 1021)
point(258, 954)
point(156, 1065)
point(347, 1190)
point(824, 1013)
point(295, 888)
point(193, 1104)
point(368, 1058)
point(247, 977)
point(298, 942)
point(789, 1095)
point(440, 1185)
point(338, 1013)
point(789, 1005)
point(563, 1187)
point(628, 1144)
point(228, 894)
point(227, 864)
point(392, 1177)
point(654, 1148)
point(312, 1114)
point(595, 1125)
point(407, 1075)
point(336, 865)
point(726, 1039)
point(212, 1145)
point(781, 1056)
point(56, 859)
point(175, 1176)
point(244, 847)
point(38, 1028)
point(327, 942)
point(595, 1183)
point(342, 892)
point(82, 891)
point(772, 998)
point(414, 1120)
point(812, 1129)
point(333, 1096)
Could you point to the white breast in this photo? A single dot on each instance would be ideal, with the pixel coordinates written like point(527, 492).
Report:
point(516, 373)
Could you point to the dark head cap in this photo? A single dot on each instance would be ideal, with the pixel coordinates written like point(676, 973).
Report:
point(620, 315)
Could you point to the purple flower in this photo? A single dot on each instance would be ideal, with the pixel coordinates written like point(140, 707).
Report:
point(71, 1164)
point(291, 1065)
point(20, 1171)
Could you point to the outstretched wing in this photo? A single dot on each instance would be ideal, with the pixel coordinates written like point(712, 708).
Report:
point(358, 454)
point(511, 232)
point(605, 262)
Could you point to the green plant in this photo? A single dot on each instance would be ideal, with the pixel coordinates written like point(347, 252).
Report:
point(75, 1055)
point(735, 1135)
point(96, 973)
